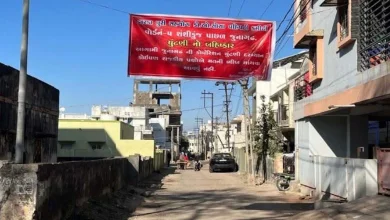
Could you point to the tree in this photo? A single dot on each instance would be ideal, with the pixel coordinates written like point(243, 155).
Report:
point(266, 136)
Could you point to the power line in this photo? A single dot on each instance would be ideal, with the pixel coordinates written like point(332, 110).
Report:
point(292, 22)
point(280, 46)
point(285, 43)
point(242, 5)
point(285, 16)
point(104, 6)
point(230, 7)
point(266, 9)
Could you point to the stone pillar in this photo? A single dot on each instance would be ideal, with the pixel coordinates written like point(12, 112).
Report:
point(173, 156)
point(135, 91)
point(178, 139)
point(179, 94)
point(151, 92)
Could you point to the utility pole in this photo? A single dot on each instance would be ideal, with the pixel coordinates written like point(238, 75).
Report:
point(199, 120)
point(203, 145)
point(204, 93)
point(216, 135)
point(19, 143)
point(248, 135)
point(227, 102)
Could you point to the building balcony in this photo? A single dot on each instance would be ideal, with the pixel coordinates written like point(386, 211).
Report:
point(306, 39)
point(304, 35)
point(283, 116)
point(302, 87)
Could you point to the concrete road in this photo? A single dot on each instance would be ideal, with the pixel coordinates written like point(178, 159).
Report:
point(186, 194)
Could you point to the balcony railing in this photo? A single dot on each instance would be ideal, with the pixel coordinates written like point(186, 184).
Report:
point(374, 33)
point(302, 87)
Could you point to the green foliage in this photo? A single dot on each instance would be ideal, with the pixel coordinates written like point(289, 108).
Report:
point(266, 132)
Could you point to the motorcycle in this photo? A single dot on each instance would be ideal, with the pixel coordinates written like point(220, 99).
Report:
point(283, 181)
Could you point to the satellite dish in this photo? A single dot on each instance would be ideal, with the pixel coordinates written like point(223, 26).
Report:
point(62, 109)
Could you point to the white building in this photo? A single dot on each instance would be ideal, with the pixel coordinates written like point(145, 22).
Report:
point(160, 132)
point(237, 125)
point(282, 70)
point(192, 142)
point(136, 116)
point(71, 116)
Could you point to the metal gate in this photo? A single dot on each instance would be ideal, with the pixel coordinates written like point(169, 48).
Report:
point(383, 157)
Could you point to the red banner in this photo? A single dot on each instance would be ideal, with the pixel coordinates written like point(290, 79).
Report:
point(202, 48)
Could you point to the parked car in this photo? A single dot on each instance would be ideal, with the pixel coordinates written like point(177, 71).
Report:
point(222, 161)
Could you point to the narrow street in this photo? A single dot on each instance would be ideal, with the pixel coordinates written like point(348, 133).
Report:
point(186, 194)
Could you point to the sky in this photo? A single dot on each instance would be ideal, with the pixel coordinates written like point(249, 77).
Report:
point(82, 49)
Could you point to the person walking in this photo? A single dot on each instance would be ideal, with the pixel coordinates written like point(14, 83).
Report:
point(186, 160)
point(169, 157)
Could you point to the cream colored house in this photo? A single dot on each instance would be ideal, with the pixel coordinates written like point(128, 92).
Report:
point(90, 139)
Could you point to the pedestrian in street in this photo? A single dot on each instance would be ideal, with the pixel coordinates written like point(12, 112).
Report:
point(187, 160)
point(169, 157)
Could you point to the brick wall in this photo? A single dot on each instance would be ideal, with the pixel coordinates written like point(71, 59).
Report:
point(42, 106)
point(53, 190)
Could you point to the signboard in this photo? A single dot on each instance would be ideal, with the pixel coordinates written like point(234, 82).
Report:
point(200, 48)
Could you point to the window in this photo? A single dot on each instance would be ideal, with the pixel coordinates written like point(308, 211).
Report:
point(374, 40)
point(96, 145)
point(66, 144)
point(343, 12)
point(239, 127)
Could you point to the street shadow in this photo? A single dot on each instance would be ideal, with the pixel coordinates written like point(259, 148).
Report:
point(121, 204)
point(226, 199)
point(279, 206)
point(195, 204)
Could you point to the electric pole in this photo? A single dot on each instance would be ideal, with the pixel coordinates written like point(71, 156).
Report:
point(248, 135)
point(226, 103)
point(211, 96)
point(19, 142)
point(216, 136)
point(199, 120)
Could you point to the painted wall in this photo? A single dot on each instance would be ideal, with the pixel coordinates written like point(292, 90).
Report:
point(325, 147)
point(328, 136)
point(78, 134)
